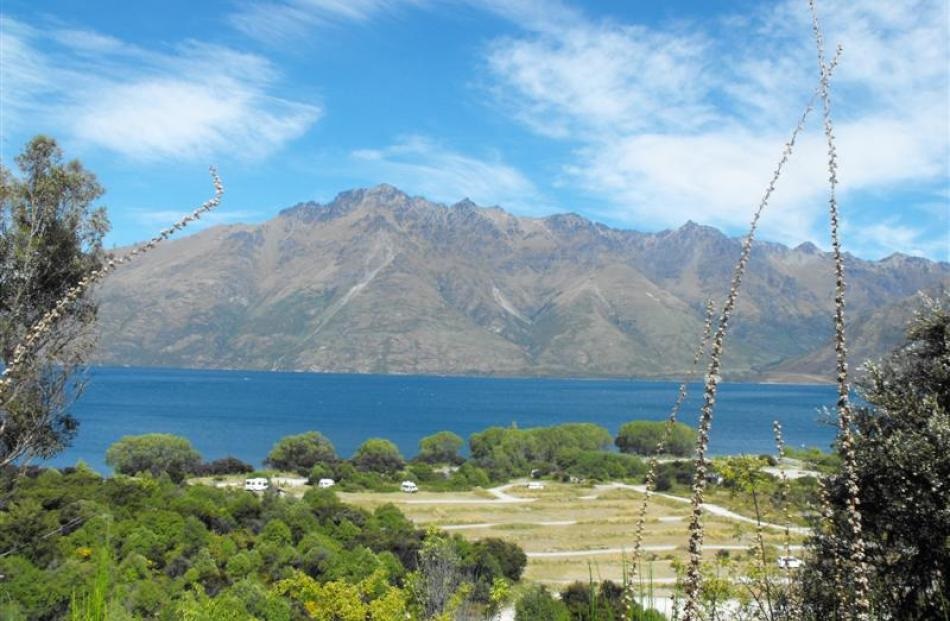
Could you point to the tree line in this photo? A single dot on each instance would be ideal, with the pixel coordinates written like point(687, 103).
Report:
point(579, 450)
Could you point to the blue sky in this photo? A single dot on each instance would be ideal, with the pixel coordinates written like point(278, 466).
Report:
point(640, 115)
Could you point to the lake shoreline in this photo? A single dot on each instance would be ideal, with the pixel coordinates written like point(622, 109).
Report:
point(765, 380)
point(245, 412)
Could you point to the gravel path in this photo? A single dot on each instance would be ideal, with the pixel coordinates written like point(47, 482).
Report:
point(710, 508)
point(597, 551)
point(494, 524)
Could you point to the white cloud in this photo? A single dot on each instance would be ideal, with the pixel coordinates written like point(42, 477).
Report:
point(154, 118)
point(86, 41)
point(22, 72)
point(287, 20)
point(419, 165)
point(890, 236)
point(687, 120)
point(193, 102)
point(611, 78)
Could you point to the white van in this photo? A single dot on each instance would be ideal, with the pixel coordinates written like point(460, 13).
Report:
point(535, 485)
point(789, 562)
point(409, 487)
point(256, 485)
point(325, 483)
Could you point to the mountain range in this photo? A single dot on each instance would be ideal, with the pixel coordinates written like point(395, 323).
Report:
point(377, 281)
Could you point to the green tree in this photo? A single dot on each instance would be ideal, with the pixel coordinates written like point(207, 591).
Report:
point(440, 448)
point(155, 453)
point(379, 455)
point(902, 450)
point(436, 583)
point(507, 452)
point(511, 558)
point(642, 436)
point(225, 465)
point(50, 239)
point(743, 472)
point(587, 602)
point(537, 604)
point(302, 452)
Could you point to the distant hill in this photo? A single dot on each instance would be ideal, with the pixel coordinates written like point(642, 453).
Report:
point(380, 282)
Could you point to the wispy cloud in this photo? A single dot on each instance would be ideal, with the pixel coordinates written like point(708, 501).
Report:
point(605, 78)
point(890, 236)
point(194, 101)
point(686, 120)
point(289, 20)
point(420, 165)
point(159, 218)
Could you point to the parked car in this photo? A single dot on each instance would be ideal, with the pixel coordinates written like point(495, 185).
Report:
point(535, 485)
point(325, 483)
point(409, 487)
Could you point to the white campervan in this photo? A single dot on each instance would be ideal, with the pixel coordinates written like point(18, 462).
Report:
point(256, 485)
point(789, 562)
point(325, 483)
point(409, 487)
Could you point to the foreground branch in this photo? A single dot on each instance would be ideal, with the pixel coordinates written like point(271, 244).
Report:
point(28, 349)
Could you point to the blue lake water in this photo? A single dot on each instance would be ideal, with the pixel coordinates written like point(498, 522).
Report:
point(242, 413)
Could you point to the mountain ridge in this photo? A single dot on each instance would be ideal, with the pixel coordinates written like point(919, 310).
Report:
point(380, 281)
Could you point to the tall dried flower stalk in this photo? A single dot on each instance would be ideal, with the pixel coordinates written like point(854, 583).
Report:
point(859, 569)
point(32, 342)
point(765, 584)
point(827, 528)
point(650, 480)
point(784, 487)
point(763, 579)
point(696, 531)
point(792, 591)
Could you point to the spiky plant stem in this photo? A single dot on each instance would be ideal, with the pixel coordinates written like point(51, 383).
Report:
point(859, 569)
point(784, 494)
point(763, 579)
point(828, 530)
point(696, 532)
point(650, 480)
point(34, 336)
point(784, 488)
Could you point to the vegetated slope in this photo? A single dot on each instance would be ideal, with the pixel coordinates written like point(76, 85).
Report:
point(377, 281)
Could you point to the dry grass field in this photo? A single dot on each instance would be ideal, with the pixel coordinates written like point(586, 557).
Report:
point(572, 531)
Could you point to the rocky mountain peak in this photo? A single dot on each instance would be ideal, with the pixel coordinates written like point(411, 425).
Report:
point(299, 209)
point(807, 248)
point(899, 260)
point(692, 230)
point(386, 193)
point(378, 281)
point(466, 204)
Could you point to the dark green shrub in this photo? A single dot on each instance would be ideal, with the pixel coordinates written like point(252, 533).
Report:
point(225, 465)
point(440, 448)
point(537, 604)
point(300, 453)
point(642, 436)
point(378, 455)
point(154, 453)
point(510, 452)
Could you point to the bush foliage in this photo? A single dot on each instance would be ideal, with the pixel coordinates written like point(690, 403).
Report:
point(641, 437)
point(150, 548)
point(902, 450)
point(155, 453)
point(300, 453)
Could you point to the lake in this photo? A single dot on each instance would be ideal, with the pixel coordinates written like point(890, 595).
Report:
point(242, 413)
